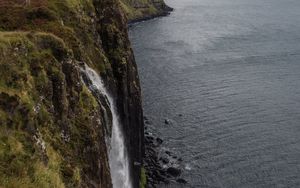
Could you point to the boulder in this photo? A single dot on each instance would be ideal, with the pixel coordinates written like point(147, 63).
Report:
point(173, 171)
point(159, 140)
point(182, 181)
point(167, 121)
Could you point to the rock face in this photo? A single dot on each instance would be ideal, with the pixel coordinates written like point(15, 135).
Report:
point(125, 82)
point(52, 128)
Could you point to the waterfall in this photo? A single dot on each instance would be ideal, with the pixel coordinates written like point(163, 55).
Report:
point(118, 158)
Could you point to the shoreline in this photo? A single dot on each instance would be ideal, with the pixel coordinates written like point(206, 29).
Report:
point(162, 165)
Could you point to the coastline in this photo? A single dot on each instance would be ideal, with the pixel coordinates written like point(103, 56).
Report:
point(161, 166)
point(165, 12)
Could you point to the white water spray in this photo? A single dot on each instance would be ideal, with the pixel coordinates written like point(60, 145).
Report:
point(118, 158)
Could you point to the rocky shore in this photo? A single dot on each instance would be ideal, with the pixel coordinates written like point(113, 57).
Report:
point(162, 165)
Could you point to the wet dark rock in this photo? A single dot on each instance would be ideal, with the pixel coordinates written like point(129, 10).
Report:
point(167, 121)
point(159, 140)
point(149, 140)
point(147, 122)
point(150, 137)
point(164, 160)
point(166, 181)
point(182, 181)
point(174, 171)
point(159, 163)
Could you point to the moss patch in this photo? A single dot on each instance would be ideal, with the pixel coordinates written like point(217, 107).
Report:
point(143, 180)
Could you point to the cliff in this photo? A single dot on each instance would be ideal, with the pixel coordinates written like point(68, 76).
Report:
point(53, 128)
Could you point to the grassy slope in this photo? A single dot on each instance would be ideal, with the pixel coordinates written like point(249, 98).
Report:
point(47, 116)
point(27, 158)
point(71, 20)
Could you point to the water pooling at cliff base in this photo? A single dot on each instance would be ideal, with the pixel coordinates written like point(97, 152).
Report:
point(118, 158)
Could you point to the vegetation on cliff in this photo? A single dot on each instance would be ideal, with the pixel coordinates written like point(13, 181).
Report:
point(137, 10)
point(47, 116)
point(51, 126)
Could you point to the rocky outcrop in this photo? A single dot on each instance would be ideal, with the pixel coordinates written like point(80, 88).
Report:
point(139, 10)
point(52, 127)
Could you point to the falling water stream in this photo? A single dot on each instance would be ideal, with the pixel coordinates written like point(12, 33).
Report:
point(118, 158)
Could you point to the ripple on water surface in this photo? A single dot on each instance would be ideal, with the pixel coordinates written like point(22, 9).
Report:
point(231, 69)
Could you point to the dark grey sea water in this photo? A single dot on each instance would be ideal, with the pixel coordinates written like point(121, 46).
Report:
point(232, 69)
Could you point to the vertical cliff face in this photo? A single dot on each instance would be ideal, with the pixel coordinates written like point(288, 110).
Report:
point(52, 127)
point(127, 89)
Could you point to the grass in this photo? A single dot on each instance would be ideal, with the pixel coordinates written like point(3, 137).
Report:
point(20, 165)
point(26, 61)
point(143, 180)
point(50, 175)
